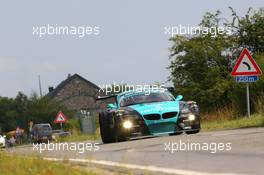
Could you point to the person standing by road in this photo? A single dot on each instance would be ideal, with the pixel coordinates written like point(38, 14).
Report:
point(18, 135)
point(30, 129)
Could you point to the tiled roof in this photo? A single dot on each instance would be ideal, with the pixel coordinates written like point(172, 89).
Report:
point(65, 82)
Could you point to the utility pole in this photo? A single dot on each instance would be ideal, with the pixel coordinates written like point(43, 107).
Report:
point(40, 89)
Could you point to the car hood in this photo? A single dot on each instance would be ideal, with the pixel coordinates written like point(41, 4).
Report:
point(156, 107)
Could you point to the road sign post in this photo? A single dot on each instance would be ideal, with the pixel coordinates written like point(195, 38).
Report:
point(246, 79)
point(248, 102)
point(246, 70)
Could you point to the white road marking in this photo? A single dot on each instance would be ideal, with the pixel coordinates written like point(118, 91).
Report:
point(138, 167)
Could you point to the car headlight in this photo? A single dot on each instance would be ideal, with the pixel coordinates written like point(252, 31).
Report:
point(127, 124)
point(191, 117)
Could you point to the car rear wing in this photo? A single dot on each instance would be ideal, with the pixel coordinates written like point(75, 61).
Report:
point(170, 89)
point(101, 98)
point(106, 97)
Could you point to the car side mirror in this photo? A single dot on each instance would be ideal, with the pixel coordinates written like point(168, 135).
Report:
point(179, 97)
point(111, 105)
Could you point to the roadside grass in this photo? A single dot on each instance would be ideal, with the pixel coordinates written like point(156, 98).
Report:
point(79, 137)
point(13, 165)
point(259, 104)
point(256, 120)
point(228, 118)
point(223, 113)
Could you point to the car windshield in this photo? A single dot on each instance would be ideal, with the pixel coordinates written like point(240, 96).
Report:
point(44, 128)
point(140, 98)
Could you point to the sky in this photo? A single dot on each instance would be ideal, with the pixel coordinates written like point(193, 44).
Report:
point(130, 48)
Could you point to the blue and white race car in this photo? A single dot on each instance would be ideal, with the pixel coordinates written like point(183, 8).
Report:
point(147, 113)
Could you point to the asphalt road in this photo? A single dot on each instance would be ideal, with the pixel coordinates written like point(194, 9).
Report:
point(238, 152)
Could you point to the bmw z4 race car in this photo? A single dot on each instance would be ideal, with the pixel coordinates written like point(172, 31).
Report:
point(136, 114)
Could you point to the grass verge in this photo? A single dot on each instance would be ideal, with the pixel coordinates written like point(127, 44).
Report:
point(13, 165)
point(253, 121)
point(79, 137)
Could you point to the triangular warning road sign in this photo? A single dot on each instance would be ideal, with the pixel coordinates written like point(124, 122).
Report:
point(60, 118)
point(246, 65)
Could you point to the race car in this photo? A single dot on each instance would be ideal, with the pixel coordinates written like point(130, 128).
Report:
point(135, 114)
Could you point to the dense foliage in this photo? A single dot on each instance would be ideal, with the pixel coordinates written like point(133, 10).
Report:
point(201, 64)
point(22, 109)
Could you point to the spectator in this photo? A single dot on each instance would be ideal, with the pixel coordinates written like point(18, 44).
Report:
point(18, 135)
point(12, 141)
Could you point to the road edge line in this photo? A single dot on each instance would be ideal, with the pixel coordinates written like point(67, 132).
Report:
point(138, 167)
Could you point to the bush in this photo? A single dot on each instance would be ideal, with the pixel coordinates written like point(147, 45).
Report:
point(22, 109)
point(259, 104)
point(201, 64)
point(225, 113)
point(74, 126)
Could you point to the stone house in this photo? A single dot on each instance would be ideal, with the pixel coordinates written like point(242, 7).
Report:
point(76, 93)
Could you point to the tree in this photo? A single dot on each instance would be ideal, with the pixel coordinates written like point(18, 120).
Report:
point(22, 109)
point(201, 64)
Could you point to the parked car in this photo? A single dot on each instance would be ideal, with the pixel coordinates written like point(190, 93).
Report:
point(42, 132)
point(2, 141)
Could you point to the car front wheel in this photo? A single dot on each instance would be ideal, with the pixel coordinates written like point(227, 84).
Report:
point(107, 133)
